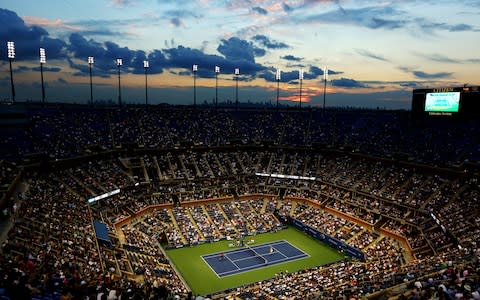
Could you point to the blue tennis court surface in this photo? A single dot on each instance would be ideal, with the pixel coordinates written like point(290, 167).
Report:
point(250, 258)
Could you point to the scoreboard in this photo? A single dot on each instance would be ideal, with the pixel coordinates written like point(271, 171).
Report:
point(454, 102)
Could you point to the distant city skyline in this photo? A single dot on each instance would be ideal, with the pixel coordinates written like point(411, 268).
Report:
point(376, 51)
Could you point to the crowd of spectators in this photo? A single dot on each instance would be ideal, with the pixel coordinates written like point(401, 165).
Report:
point(447, 276)
point(8, 174)
point(67, 131)
point(52, 247)
point(52, 243)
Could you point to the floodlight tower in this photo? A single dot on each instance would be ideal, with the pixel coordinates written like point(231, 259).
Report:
point(217, 71)
point(11, 56)
point(278, 76)
point(90, 64)
point(300, 77)
point(237, 73)
point(325, 78)
point(43, 60)
point(146, 65)
point(119, 64)
point(195, 70)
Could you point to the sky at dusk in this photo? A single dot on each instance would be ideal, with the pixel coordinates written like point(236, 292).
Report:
point(376, 51)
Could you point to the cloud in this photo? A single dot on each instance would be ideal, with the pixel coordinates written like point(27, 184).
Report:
point(184, 57)
point(461, 27)
point(28, 39)
point(311, 73)
point(238, 49)
point(102, 32)
point(267, 43)
point(182, 13)
point(237, 53)
point(441, 58)
point(319, 72)
point(411, 84)
point(376, 23)
point(445, 59)
point(121, 3)
point(157, 61)
point(375, 17)
point(105, 53)
point(62, 81)
point(429, 27)
point(176, 22)
point(259, 10)
point(115, 27)
point(22, 69)
point(286, 8)
point(369, 54)
point(291, 58)
point(269, 75)
point(47, 69)
point(423, 75)
point(57, 23)
point(473, 60)
point(347, 83)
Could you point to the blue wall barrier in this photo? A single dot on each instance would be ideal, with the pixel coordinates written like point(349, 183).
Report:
point(331, 241)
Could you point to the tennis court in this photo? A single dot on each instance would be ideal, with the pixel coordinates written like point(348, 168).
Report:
point(254, 257)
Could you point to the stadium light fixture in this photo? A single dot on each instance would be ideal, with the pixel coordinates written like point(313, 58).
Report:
point(43, 56)
point(195, 70)
point(119, 64)
point(278, 76)
point(90, 64)
point(300, 77)
point(325, 78)
point(43, 60)
point(11, 49)
point(146, 65)
point(217, 71)
point(237, 73)
point(11, 57)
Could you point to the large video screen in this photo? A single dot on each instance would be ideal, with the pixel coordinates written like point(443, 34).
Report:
point(442, 102)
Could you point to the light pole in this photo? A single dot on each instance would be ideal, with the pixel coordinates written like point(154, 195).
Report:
point(11, 56)
point(300, 77)
point(90, 64)
point(119, 64)
point(195, 70)
point(43, 60)
point(237, 72)
point(278, 76)
point(325, 78)
point(217, 71)
point(146, 65)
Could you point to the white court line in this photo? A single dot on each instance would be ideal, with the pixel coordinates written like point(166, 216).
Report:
point(233, 262)
point(263, 267)
point(218, 274)
point(280, 252)
point(260, 266)
point(243, 249)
